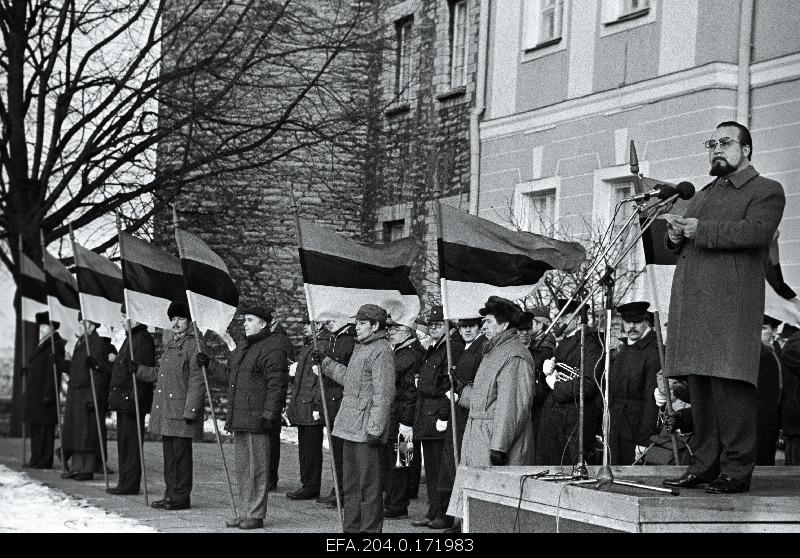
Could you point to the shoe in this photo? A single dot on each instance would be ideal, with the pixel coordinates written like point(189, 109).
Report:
point(395, 514)
point(173, 505)
point(686, 480)
point(233, 522)
point(329, 499)
point(420, 522)
point(725, 484)
point(159, 504)
point(121, 491)
point(302, 494)
point(83, 477)
point(439, 523)
point(69, 475)
point(251, 523)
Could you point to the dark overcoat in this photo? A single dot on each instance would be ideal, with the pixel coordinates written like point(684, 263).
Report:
point(306, 397)
point(466, 367)
point(433, 383)
point(719, 276)
point(790, 361)
point(340, 348)
point(633, 379)
point(407, 357)
point(80, 422)
point(258, 377)
point(40, 386)
point(768, 397)
point(121, 397)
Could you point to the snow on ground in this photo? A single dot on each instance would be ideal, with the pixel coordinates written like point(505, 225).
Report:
point(27, 506)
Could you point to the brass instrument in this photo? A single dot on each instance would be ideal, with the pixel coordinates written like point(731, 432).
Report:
point(569, 373)
point(404, 450)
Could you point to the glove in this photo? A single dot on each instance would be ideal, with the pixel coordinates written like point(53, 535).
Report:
point(91, 362)
point(549, 366)
point(112, 357)
point(315, 415)
point(202, 360)
point(315, 368)
point(188, 421)
point(659, 397)
point(450, 396)
point(639, 452)
point(441, 425)
point(374, 440)
point(551, 381)
point(407, 432)
point(498, 458)
point(293, 370)
point(270, 422)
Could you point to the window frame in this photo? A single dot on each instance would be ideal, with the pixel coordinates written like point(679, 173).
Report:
point(524, 192)
point(454, 6)
point(403, 58)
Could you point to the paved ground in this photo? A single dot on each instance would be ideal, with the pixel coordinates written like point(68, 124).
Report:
point(210, 497)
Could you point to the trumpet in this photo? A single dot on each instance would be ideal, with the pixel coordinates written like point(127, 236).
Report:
point(569, 373)
point(404, 450)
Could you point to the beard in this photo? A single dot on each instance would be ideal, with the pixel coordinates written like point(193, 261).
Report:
point(720, 167)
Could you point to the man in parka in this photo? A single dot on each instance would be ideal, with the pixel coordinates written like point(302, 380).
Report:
point(362, 423)
point(257, 376)
point(178, 408)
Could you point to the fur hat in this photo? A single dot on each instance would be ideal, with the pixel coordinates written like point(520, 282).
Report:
point(178, 309)
point(503, 310)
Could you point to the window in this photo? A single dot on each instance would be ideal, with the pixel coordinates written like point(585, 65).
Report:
point(542, 212)
point(393, 230)
point(633, 6)
point(403, 57)
point(631, 263)
point(620, 15)
point(458, 43)
point(543, 22)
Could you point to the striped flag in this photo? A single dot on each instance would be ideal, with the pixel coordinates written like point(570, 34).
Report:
point(210, 290)
point(152, 279)
point(479, 258)
point(99, 287)
point(33, 289)
point(62, 298)
point(340, 275)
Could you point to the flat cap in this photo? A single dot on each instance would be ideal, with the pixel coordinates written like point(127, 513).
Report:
point(634, 311)
point(371, 312)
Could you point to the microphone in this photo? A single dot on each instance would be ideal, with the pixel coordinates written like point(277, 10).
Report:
point(684, 190)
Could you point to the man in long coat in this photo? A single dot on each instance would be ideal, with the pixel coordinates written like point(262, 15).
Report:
point(178, 408)
point(81, 438)
point(40, 392)
point(122, 399)
point(768, 387)
point(257, 376)
point(722, 245)
point(633, 378)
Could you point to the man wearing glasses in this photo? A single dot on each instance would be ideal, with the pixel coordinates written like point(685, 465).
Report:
point(722, 246)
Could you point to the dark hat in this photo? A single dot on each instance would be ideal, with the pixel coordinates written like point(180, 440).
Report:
point(540, 312)
point(770, 321)
point(178, 309)
point(525, 320)
point(502, 309)
point(80, 319)
point(435, 314)
point(466, 322)
point(43, 318)
point(788, 330)
point(263, 312)
point(633, 311)
point(569, 306)
point(371, 312)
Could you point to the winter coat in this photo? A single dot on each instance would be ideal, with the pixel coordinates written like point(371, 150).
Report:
point(80, 421)
point(368, 389)
point(408, 356)
point(40, 385)
point(790, 361)
point(768, 398)
point(541, 352)
point(286, 342)
point(306, 397)
point(634, 413)
point(720, 275)
point(180, 391)
point(257, 375)
point(559, 418)
point(340, 347)
point(466, 368)
point(121, 397)
point(499, 403)
point(433, 383)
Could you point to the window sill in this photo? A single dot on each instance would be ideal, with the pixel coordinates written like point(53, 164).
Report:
point(398, 109)
point(628, 17)
point(541, 50)
point(544, 45)
point(455, 92)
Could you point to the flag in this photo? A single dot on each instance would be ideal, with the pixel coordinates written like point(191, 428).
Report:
point(210, 290)
point(33, 289)
point(479, 258)
point(152, 279)
point(62, 298)
point(99, 287)
point(340, 275)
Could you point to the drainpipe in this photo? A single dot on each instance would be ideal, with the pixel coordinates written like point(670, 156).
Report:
point(478, 110)
point(745, 53)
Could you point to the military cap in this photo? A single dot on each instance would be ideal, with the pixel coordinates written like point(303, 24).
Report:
point(770, 321)
point(540, 312)
point(633, 311)
point(43, 318)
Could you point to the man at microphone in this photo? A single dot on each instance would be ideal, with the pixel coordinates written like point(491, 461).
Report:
point(722, 246)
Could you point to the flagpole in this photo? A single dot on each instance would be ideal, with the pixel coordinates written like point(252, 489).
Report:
point(24, 367)
point(140, 439)
point(203, 370)
point(446, 316)
point(91, 374)
point(55, 363)
point(321, 381)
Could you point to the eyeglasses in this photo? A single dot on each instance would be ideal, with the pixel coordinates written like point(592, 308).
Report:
point(724, 143)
